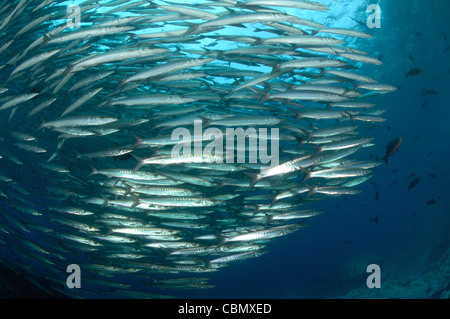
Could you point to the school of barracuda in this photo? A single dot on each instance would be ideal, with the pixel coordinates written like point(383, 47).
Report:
point(87, 114)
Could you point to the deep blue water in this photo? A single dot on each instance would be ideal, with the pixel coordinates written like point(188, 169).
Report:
point(408, 238)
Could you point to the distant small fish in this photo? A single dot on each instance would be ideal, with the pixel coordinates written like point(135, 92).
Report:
point(413, 183)
point(432, 175)
point(431, 153)
point(388, 127)
point(431, 201)
point(374, 220)
point(392, 148)
point(417, 137)
point(447, 49)
point(411, 175)
point(445, 36)
point(359, 22)
point(395, 170)
point(426, 92)
point(413, 72)
point(413, 214)
point(411, 57)
point(377, 196)
point(424, 104)
point(418, 34)
point(393, 183)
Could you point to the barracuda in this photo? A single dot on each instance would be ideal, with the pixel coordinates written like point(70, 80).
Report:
point(115, 57)
point(145, 231)
point(168, 67)
point(94, 32)
point(265, 233)
point(179, 201)
point(288, 167)
point(18, 100)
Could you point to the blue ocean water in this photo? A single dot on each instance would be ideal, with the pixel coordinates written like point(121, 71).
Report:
point(405, 232)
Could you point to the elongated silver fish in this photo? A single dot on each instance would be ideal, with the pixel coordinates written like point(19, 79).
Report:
point(17, 100)
point(81, 101)
point(265, 233)
point(165, 69)
point(35, 61)
point(79, 121)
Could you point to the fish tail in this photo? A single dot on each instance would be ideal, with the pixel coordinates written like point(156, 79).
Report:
point(121, 84)
point(274, 200)
point(350, 115)
point(311, 191)
point(205, 122)
point(68, 70)
point(42, 125)
point(306, 175)
point(128, 191)
point(275, 69)
point(109, 229)
point(138, 141)
point(298, 115)
point(317, 148)
point(131, 36)
point(220, 185)
point(301, 141)
point(257, 42)
point(46, 39)
point(191, 29)
point(139, 164)
point(94, 171)
point(135, 202)
point(254, 178)
point(221, 101)
point(106, 201)
point(265, 96)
